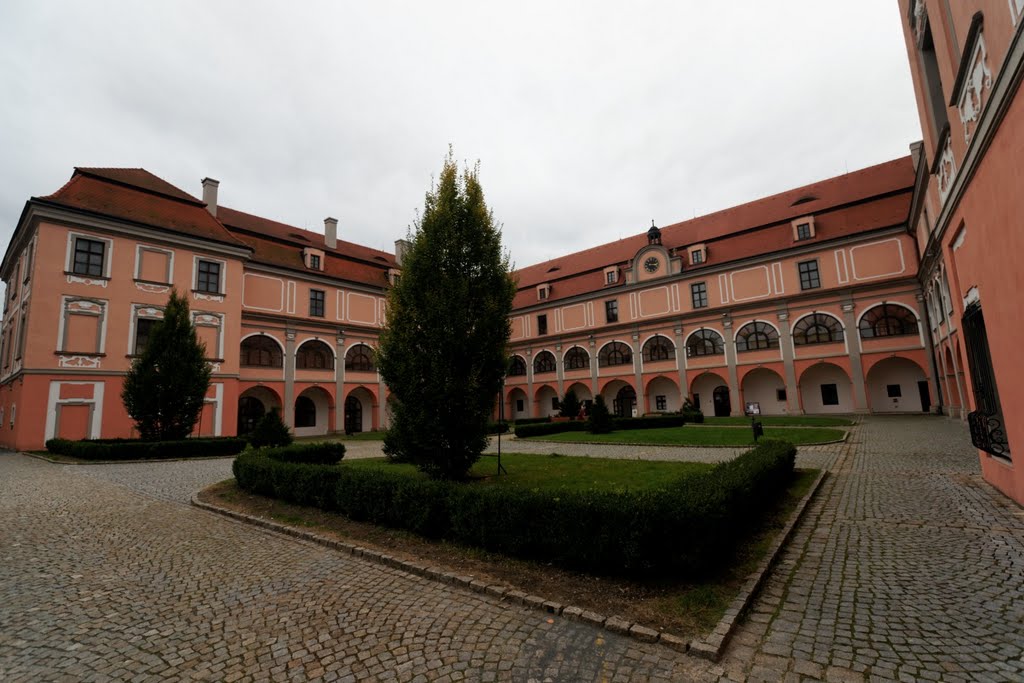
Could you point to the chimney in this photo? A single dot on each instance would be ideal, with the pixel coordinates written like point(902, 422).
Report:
point(210, 194)
point(401, 248)
point(331, 232)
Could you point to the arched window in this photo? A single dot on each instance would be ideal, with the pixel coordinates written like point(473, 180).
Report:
point(577, 358)
point(705, 342)
point(887, 320)
point(261, 351)
point(360, 359)
point(817, 328)
point(305, 412)
point(517, 367)
point(314, 355)
point(757, 335)
point(615, 353)
point(659, 348)
point(544, 362)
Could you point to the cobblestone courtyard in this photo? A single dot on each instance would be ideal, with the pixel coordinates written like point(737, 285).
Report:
point(906, 567)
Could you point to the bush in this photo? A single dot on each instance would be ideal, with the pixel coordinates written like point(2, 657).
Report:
point(546, 428)
point(319, 453)
point(600, 420)
point(136, 449)
point(690, 413)
point(497, 428)
point(649, 422)
point(270, 431)
point(570, 405)
point(684, 529)
point(531, 420)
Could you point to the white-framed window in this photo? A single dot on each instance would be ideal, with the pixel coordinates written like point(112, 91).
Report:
point(154, 265)
point(209, 276)
point(82, 328)
point(543, 292)
point(611, 275)
point(88, 256)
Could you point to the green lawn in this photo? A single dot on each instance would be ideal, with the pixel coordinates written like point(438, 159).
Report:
point(560, 472)
point(697, 435)
point(782, 421)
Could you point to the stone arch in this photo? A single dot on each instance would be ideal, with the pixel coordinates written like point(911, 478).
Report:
point(253, 404)
point(825, 388)
point(756, 335)
point(663, 395)
point(894, 386)
point(917, 319)
point(517, 397)
point(312, 412)
point(704, 341)
point(615, 354)
point(817, 327)
point(314, 354)
point(582, 391)
point(576, 358)
point(544, 363)
point(358, 411)
point(762, 386)
point(547, 398)
point(516, 366)
point(702, 392)
point(359, 358)
point(616, 390)
point(260, 350)
point(656, 348)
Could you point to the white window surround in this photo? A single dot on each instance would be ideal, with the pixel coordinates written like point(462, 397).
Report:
point(803, 220)
point(139, 248)
point(214, 320)
point(141, 311)
point(222, 284)
point(73, 305)
point(69, 258)
point(611, 275)
point(543, 292)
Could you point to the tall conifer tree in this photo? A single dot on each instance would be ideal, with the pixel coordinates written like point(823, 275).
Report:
point(165, 387)
point(442, 352)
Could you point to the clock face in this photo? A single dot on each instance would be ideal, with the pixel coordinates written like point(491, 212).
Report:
point(651, 264)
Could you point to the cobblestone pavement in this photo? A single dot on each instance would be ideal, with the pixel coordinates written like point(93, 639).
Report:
point(99, 582)
point(907, 567)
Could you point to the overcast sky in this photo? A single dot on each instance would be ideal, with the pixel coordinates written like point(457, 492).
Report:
point(589, 119)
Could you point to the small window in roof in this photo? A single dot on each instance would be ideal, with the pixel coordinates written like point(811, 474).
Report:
point(299, 237)
point(381, 259)
point(805, 199)
point(553, 269)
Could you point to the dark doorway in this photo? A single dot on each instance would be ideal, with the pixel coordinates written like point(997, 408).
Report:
point(250, 411)
point(353, 415)
point(305, 412)
point(723, 404)
point(926, 398)
point(624, 402)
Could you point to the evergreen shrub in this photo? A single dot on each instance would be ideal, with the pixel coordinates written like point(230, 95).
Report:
point(137, 449)
point(270, 431)
point(685, 529)
point(317, 453)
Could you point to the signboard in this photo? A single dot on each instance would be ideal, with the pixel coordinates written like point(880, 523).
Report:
point(753, 408)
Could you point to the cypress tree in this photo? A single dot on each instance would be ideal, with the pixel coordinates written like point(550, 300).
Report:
point(164, 389)
point(442, 352)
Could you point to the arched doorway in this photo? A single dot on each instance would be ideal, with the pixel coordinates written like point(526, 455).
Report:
point(723, 404)
point(702, 392)
point(305, 412)
point(353, 415)
point(250, 411)
point(765, 388)
point(826, 388)
point(663, 396)
point(625, 402)
point(898, 385)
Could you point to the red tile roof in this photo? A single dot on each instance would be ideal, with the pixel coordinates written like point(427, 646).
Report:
point(138, 196)
point(840, 207)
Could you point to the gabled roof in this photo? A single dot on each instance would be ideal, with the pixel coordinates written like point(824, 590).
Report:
point(138, 196)
point(871, 198)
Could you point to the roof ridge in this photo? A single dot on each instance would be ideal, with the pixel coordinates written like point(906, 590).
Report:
point(98, 173)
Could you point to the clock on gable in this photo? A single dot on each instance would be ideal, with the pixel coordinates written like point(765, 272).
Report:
point(651, 264)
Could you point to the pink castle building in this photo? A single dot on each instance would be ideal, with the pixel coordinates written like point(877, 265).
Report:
point(893, 289)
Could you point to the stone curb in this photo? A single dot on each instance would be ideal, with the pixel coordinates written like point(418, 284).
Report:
point(537, 439)
point(39, 456)
point(713, 645)
point(710, 647)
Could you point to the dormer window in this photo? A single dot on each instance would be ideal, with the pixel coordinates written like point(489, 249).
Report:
point(611, 275)
point(394, 275)
point(698, 254)
point(803, 228)
point(543, 292)
point(313, 258)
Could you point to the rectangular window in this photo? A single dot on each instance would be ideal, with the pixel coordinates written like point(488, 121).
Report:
point(143, 328)
point(780, 395)
point(660, 403)
point(542, 324)
point(314, 261)
point(699, 294)
point(829, 395)
point(609, 277)
point(611, 311)
point(542, 293)
point(88, 257)
point(316, 303)
point(208, 277)
point(697, 256)
point(809, 277)
point(803, 231)
point(893, 390)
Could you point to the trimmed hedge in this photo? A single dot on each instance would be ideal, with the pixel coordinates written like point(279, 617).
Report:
point(649, 422)
point(317, 453)
point(136, 449)
point(497, 428)
point(545, 428)
point(531, 420)
point(687, 528)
